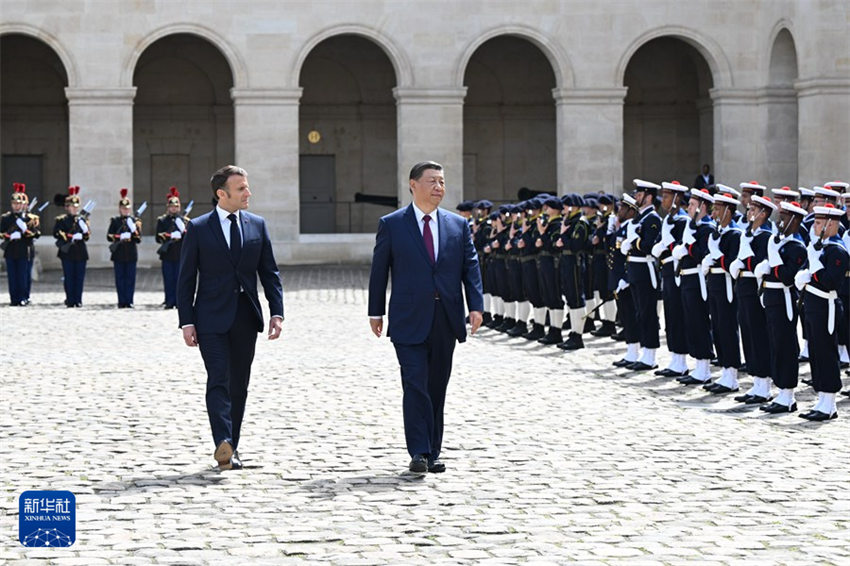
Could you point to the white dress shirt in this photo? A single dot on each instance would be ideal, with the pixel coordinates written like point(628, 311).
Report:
point(225, 224)
point(435, 231)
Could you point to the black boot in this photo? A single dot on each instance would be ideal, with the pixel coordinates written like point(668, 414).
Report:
point(486, 318)
point(573, 342)
point(537, 332)
point(518, 329)
point(552, 337)
point(495, 321)
point(506, 325)
point(607, 329)
point(589, 326)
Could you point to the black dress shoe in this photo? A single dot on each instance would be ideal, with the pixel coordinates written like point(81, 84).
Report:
point(776, 408)
point(844, 365)
point(622, 363)
point(807, 381)
point(436, 466)
point(802, 360)
point(536, 333)
point(235, 461)
point(640, 366)
point(419, 464)
point(573, 342)
point(846, 393)
point(552, 337)
point(486, 317)
point(756, 400)
point(618, 336)
point(710, 385)
point(719, 389)
point(606, 329)
point(818, 416)
point(743, 398)
point(666, 372)
point(691, 380)
point(517, 329)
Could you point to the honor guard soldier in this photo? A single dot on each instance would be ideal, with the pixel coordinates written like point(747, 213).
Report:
point(19, 229)
point(827, 270)
point(71, 231)
point(124, 234)
point(642, 234)
point(844, 294)
point(673, 195)
point(748, 191)
point(549, 228)
point(573, 240)
point(782, 195)
point(530, 283)
point(806, 197)
point(513, 269)
point(480, 234)
point(603, 296)
point(618, 280)
point(464, 208)
point(590, 213)
point(170, 228)
point(786, 255)
point(496, 266)
point(689, 255)
point(751, 251)
point(737, 217)
point(722, 304)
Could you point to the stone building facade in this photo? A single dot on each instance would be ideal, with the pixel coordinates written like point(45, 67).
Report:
point(326, 100)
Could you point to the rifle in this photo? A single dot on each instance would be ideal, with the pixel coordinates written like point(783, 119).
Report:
point(84, 213)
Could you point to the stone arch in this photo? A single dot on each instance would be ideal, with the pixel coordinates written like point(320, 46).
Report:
point(780, 37)
point(49, 40)
point(781, 113)
point(711, 51)
point(558, 58)
point(398, 58)
point(237, 65)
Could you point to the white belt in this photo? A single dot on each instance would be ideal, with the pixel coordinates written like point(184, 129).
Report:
point(830, 296)
point(690, 271)
point(721, 271)
point(667, 260)
point(749, 274)
point(649, 260)
point(789, 309)
point(717, 270)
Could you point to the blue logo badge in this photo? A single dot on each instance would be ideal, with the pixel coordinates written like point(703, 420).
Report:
point(47, 518)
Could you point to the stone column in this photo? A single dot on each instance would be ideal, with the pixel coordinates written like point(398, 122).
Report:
point(266, 124)
point(738, 141)
point(779, 112)
point(589, 139)
point(100, 155)
point(430, 127)
point(824, 130)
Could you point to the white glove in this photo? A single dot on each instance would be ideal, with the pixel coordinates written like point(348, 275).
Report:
point(612, 222)
point(77, 237)
point(131, 225)
point(667, 233)
point(625, 247)
point(632, 231)
point(83, 226)
point(762, 269)
point(622, 284)
point(773, 256)
point(680, 251)
point(176, 235)
point(659, 248)
point(180, 225)
point(689, 236)
point(846, 239)
point(125, 236)
point(803, 276)
point(735, 268)
point(21, 224)
point(746, 250)
point(15, 236)
point(714, 246)
point(706, 264)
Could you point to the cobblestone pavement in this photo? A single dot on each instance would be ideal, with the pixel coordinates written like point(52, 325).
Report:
point(553, 457)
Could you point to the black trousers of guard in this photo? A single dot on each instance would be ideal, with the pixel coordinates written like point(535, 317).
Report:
point(823, 346)
point(646, 305)
point(698, 328)
point(674, 315)
point(515, 280)
point(571, 280)
point(628, 315)
point(782, 337)
point(499, 277)
point(753, 328)
point(530, 284)
point(550, 289)
point(724, 322)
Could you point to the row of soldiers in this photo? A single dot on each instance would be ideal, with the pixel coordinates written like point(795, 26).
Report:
point(733, 268)
point(20, 227)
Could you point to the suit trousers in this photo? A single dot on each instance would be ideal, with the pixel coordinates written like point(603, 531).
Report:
point(227, 358)
point(425, 372)
point(674, 315)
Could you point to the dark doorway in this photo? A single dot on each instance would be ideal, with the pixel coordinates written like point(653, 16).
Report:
point(317, 179)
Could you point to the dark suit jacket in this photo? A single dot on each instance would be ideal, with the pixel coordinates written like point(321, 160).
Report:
point(206, 267)
point(400, 250)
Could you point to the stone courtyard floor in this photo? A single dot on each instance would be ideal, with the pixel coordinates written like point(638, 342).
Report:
point(553, 457)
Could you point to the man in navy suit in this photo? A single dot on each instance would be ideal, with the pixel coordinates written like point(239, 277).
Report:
point(223, 253)
point(430, 255)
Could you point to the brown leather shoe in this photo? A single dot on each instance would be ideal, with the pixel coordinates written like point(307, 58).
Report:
point(223, 454)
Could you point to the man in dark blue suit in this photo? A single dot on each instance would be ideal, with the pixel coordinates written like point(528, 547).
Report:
point(430, 255)
point(223, 253)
